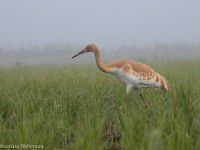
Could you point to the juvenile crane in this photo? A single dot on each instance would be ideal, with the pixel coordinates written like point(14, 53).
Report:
point(134, 75)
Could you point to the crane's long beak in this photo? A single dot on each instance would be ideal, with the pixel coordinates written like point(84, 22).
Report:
point(79, 53)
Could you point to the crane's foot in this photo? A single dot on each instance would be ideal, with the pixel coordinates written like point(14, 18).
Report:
point(123, 106)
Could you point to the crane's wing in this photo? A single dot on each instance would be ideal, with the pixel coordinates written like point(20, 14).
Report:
point(132, 67)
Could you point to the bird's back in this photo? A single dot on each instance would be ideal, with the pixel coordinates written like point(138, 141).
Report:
point(138, 75)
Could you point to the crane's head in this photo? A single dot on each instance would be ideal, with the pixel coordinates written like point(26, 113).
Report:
point(88, 48)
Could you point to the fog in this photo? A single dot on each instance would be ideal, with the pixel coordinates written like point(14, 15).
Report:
point(61, 54)
point(49, 31)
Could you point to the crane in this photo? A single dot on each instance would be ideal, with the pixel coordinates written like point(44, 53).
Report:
point(133, 74)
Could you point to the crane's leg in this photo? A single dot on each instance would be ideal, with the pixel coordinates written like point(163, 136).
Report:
point(128, 90)
point(124, 103)
point(144, 100)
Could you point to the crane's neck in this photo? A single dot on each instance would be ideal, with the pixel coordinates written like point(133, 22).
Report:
point(100, 64)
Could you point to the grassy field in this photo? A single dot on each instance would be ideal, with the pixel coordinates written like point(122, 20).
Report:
point(77, 107)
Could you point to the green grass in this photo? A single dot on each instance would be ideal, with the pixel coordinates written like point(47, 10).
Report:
point(77, 107)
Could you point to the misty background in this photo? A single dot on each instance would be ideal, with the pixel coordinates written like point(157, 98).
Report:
point(50, 32)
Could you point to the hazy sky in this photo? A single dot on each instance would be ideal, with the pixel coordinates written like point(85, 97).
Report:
point(106, 22)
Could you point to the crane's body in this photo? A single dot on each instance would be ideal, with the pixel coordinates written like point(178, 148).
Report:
point(134, 75)
point(138, 75)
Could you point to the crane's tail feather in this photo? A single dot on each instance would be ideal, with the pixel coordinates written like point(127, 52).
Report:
point(164, 85)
